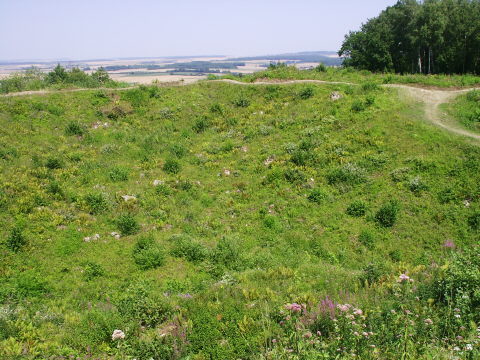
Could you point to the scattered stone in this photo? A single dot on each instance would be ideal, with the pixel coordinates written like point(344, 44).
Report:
point(334, 96)
point(244, 148)
point(158, 182)
point(466, 203)
point(129, 198)
point(118, 335)
point(115, 235)
point(100, 124)
point(91, 238)
point(269, 160)
point(226, 172)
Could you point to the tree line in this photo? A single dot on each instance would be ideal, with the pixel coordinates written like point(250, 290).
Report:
point(429, 37)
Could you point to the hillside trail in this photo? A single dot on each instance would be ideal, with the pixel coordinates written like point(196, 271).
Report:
point(431, 98)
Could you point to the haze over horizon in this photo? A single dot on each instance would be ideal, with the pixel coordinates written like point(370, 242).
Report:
point(54, 29)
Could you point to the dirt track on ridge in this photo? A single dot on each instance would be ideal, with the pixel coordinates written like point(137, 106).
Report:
point(431, 98)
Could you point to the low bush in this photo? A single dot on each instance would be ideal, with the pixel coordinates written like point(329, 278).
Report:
point(357, 208)
point(191, 250)
point(16, 240)
point(148, 254)
point(387, 215)
point(171, 166)
point(127, 224)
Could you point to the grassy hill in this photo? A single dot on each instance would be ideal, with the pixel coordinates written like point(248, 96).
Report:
point(214, 221)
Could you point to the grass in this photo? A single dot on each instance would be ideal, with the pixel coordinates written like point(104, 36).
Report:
point(466, 110)
point(244, 205)
point(282, 72)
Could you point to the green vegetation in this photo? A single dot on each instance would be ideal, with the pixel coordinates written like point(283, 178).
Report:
point(429, 37)
point(466, 109)
point(58, 78)
point(281, 71)
point(217, 221)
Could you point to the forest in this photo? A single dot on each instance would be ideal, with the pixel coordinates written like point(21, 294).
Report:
point(429, 37)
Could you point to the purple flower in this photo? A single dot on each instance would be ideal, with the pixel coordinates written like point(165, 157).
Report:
point(449, 244)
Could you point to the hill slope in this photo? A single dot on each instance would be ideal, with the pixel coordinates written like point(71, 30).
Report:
point(227, 222)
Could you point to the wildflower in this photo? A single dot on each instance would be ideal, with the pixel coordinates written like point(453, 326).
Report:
point(157, 182)
point(274, 341)
point(319, 333)
point(393, 311)
point(370, 333)
point(294, 307)
point(457, 316)
point(307, 335)
point(118, 334)
point(456, 348)
point(404, 278)
point(365, 334)
point(226, 172)
point(459, 337)
point(115, 235)
point(468, 347)
point(344, 307)
point(357, 312)
point(456, 310)
point(449, 244)
point(356, 333)
point(428, 321)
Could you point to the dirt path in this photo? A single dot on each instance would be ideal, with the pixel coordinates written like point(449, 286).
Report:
point(431, 98)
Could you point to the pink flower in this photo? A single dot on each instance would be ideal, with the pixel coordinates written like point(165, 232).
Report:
point(428, 321)
point(404, 278)
point(307, 335)
point(344, 307)
point(358, 312)
point(294, 307)
point(449, 244)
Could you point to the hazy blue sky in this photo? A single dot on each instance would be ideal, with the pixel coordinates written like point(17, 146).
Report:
point(84, 29)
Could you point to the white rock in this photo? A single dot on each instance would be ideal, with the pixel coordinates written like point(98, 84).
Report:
point(158, 182)
point(129, 197)
point(118, 334)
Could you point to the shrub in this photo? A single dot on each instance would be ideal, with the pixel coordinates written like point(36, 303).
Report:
point(216, 109)
point(358, 106)
point(116, 111)
point(53, 163)
point(367, 239)
point(74, 128)
point(118, 174)
point(357, 208)
point(294, 176)
point(241, 102)
point(92, 270)
point(141, 304)
point(127, 224)
point(474, 220)
point(302, 157)
point(386, 216)
point(178, 150)
point(372, 273)
point(417, 185)
point(16, 240)
point(317, 196)
point(227, 253)
point(189, 249)
point(148, 254)
point(306, 93)
point(96, 203)
point(201, 125)
point(349, 174)
point(171, 166)
point(321, 68)
point(369, 86)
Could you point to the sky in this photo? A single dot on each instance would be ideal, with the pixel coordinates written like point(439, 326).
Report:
point(93, 29)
